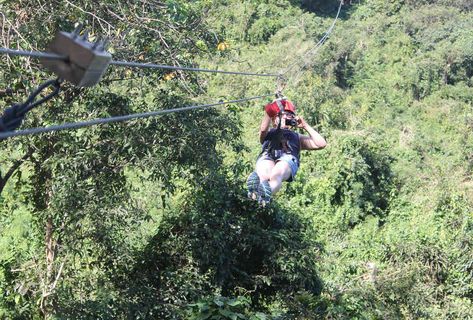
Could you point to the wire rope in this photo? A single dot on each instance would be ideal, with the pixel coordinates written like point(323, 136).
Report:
point(319, 44)
point(81, 124)
point(47, 55)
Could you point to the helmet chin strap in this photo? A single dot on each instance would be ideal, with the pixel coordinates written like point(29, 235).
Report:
point(281, 110)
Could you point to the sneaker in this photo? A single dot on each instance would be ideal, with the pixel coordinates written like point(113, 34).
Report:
point(264, 192)
point(253, 185)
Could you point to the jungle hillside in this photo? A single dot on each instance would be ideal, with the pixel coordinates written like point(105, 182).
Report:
point(149, 218)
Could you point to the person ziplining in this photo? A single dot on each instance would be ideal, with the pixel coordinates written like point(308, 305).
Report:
point(279, 159)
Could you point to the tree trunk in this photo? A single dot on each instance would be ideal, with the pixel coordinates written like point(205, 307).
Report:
point(50, 249)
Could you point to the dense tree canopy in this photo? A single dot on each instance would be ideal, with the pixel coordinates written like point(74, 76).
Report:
point(148, 219)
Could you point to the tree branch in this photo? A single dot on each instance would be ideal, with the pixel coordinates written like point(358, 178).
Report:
point(13, 168)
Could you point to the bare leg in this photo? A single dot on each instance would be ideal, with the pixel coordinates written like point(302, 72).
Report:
point(264, 169)
point(279, 173)
point(271, 176)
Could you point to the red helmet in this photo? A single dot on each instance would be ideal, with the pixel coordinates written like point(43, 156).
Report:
point(272, 109)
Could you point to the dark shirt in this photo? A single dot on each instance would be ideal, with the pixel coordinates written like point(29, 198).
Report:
point(290, 142)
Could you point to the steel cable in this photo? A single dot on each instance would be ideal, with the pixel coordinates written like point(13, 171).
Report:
point(47, 55)
point(319, 44)
point(76, 125)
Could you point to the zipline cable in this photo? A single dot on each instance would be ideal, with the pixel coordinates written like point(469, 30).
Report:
point(46, 55)
point(76, 125)
point(33, 54)
point(319, 44)
point(160, 66)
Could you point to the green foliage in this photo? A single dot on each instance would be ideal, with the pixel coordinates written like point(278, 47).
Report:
point(146, 219)
point(224, 308)
point(215, 243)
point(351, 181)
point(74, 184)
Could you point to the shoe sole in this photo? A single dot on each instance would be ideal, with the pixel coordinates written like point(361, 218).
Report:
point(252, 183)
point(265, 193)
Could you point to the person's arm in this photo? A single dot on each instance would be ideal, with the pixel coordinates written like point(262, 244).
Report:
point(314, 140)
point(264, 128)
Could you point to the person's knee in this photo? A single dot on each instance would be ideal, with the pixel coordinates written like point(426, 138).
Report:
point(281, 172)
point(276, 176)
